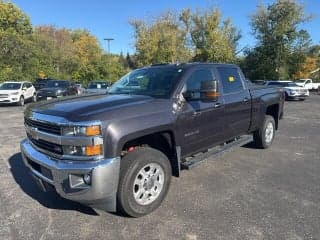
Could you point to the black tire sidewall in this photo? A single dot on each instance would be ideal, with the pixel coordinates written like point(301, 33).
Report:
point(131, 164)
point(21, 100)
point(263, 131)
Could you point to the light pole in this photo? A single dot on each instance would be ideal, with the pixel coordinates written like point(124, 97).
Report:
point(108, 40)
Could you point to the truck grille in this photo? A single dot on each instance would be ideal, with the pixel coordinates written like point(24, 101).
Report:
point(46, 146)
point(45, 127)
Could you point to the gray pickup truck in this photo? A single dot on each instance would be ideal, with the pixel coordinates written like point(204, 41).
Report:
point(118, 151)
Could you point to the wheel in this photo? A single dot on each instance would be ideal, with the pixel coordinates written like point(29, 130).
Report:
point(263, 137)
point(34, 97)
point(145, 175)
point(21, 101)
point(286, 97)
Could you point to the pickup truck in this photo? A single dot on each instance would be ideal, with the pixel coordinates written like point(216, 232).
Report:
point(118, 151)
point(57, 88)
point(308, 84)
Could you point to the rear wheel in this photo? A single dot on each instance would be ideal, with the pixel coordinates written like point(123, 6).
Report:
point(21, 101)
point(144, 181)
point(263, 137)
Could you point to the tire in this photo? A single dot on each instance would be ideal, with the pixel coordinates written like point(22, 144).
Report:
point(263, 137)
point(133, 196)
point(34, 97)
point(286, 97)
point(21, 101)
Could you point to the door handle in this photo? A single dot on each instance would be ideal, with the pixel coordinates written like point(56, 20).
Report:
point(245, 100)
point(197, 113)
point(217, 105)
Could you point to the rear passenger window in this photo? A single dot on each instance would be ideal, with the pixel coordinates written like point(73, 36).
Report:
point(230, 79)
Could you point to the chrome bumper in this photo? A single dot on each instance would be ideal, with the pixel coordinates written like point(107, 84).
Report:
point(66, 177)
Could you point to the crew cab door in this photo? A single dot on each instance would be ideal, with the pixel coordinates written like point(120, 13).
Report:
point(199, 124)
point(237, 101)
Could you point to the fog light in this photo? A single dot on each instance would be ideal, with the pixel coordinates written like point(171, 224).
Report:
point(87, 178)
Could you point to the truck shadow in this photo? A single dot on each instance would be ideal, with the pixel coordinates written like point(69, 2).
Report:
point(51, 200)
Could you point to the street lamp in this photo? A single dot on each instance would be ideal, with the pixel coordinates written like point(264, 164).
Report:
point(108, 40)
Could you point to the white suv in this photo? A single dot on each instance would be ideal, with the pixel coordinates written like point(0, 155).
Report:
point(291, 89)
point(17, 92)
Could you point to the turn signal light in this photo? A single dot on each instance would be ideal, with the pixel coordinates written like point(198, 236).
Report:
point(93, 130)
point(94, 150)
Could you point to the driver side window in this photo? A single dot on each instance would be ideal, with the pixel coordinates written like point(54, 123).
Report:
point(193, 83)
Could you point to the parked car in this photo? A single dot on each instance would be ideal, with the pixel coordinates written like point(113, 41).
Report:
point(119, 150)
point(308, 84)
point(17, 92)
point(80, 88)
point(291, 89)
point(99, 87)
point(40, 83)
point(57, 88)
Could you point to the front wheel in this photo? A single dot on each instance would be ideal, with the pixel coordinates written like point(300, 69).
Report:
point(263, 137)
point(21, 101)
point(144, 181)
point(34, 97)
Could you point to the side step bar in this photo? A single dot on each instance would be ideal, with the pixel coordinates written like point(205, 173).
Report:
point(217, 151)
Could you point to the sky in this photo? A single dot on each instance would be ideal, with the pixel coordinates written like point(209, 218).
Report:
point(110, 19)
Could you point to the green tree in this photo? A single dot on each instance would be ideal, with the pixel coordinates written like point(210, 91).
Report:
point(276, 28)
point(15, 43)
point(214, 39)
point(161, 40)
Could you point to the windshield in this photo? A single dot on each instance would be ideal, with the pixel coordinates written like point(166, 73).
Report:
point(56, 84)
point(98, 85)
point(10, 86)
point(155, 82)
point(300, 81)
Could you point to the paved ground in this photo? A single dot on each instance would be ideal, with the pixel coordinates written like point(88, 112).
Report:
point(247, 194)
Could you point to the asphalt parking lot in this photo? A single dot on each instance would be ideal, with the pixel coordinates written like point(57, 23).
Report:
point(246, 194)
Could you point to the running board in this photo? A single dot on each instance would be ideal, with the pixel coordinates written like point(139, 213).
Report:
point(217, 151)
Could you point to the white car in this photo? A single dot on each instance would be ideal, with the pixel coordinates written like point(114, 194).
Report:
point(291, 89)
point(17, 92)
point(308, 83)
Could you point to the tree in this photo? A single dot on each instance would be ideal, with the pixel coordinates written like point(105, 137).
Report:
point(160, 41)
point(306, 68)
point(214, 40)
point(15, 43)
point(276, 28)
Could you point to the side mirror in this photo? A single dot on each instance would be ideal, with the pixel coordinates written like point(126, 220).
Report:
point(24, 88)
point(209, 91)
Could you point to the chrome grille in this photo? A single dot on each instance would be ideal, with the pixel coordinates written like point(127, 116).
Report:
point(46, 146)
point(42, 126)
point(4, 95)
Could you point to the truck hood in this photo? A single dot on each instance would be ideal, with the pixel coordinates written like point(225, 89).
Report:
point(98, 107)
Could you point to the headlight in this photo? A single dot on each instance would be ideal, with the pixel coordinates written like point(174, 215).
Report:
point(82, 131)
point(83, 151)
point(14, 93)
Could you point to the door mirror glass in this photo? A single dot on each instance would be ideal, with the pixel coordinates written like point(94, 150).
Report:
point(209, 91)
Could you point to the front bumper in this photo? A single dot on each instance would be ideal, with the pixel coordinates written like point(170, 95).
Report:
point(298, 95)
point(66, 176)
point(11, 99)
